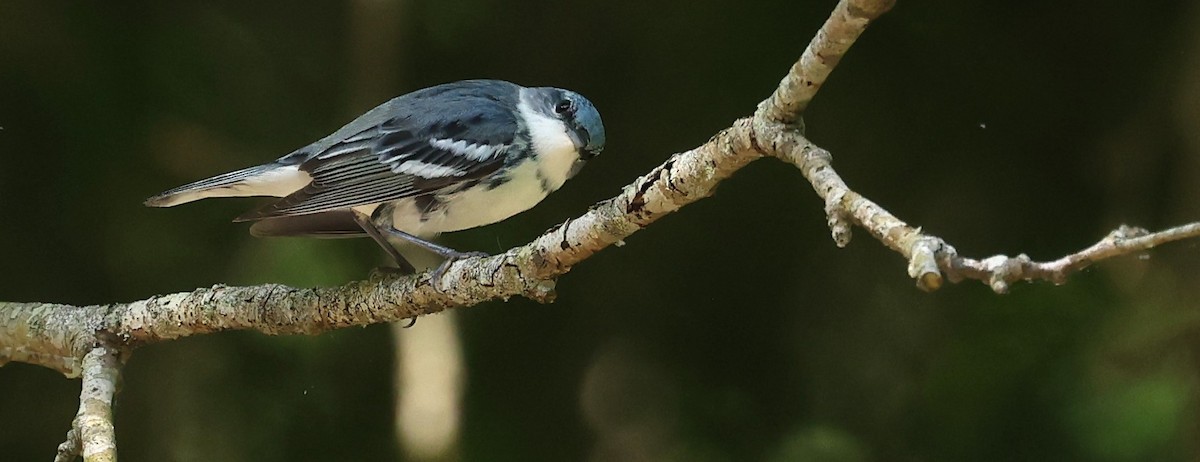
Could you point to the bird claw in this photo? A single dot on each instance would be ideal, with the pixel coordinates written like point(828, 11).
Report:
point(435, 278)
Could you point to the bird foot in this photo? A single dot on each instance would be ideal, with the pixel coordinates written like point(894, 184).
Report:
point(435, 278)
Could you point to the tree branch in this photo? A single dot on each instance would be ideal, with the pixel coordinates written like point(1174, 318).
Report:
point(848, 20)
point(91, 433)
point(929, 256)
point(89, 339)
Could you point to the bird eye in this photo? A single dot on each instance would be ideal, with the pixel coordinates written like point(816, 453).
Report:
point(564, 107)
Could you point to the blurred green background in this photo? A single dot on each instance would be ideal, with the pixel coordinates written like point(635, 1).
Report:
point(731, 331)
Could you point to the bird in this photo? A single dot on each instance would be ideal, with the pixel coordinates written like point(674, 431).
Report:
point(445, 158)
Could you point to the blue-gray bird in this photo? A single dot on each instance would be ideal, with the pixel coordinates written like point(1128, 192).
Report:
point(445, 158)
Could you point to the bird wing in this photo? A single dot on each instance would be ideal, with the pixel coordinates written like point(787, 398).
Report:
point(327, 225)
point(431, 143)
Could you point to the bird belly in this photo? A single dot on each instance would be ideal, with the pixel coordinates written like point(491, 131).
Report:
point(482, 204)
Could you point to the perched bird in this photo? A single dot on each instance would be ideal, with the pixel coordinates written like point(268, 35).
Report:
point(445, 158)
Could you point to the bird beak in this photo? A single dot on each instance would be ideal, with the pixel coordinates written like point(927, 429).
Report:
point(582, 143)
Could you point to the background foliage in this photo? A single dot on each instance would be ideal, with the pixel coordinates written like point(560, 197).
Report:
point(734, 330)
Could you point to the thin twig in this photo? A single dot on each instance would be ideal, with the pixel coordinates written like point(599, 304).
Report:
point(1001, 271)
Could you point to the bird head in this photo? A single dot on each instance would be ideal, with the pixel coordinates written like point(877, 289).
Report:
point(578, 116)
point(582, 121)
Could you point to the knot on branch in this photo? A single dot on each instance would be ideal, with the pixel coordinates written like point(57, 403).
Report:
point(1005, 270)
point(1124, 232)
point(997, 271)
point(838, 218)
point(923, 262)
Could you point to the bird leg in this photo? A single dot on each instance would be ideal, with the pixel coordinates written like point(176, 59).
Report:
point(401, 263)
point(449, 254)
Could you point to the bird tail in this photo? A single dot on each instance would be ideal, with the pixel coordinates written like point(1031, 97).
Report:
point(260, 180)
